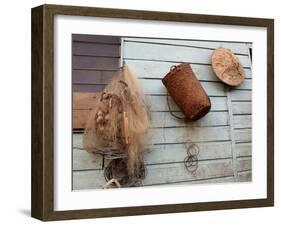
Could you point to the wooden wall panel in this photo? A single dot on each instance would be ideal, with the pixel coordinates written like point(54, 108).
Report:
point(96, 39)
point(96, 49)
point(223, 135)
point(92, 76)
point(95, 60)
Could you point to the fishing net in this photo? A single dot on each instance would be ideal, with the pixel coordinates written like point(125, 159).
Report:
point(118, 124)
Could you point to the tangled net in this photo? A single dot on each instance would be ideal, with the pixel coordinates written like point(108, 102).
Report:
point(118, 125)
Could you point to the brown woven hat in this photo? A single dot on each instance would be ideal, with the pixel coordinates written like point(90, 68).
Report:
point(227, 67)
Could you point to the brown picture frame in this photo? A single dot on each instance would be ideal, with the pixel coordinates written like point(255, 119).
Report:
point(42, 203)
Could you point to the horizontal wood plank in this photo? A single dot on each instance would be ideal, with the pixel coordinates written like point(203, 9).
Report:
point(242, 121)
point(223, 179)
point(155, 102)
point(159, 103)
point(208, 151)
point(243, 149)
point(242, 107)
point(82, 160)
point(92, 76)
point(177, 152)
point(158, 154)
point(240, 95)
point(235, 47)
point(97, 63)
point(95, 49)
point(175, 174)
point(80, 118)
point(84, 100)
point(165, 119)
point(177, 135)
point(158, 52)
point(161, 119)
point(160, 174)
point(243, 135)
point(167, 173)
point(82, 105)
point(156, 87)
point(245, 176)
point(87, 88)
point(103, 77)
point(90, 179)
point(196, 134)
point(156, 69)
point(245, 85)
point(108, 39)
point(244, 163)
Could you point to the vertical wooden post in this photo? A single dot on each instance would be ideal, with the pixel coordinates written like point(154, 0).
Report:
point(231, 128)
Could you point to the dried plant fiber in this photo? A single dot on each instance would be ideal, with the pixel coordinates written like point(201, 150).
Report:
point(187, 92)
point(118, 125)
point(227, 67)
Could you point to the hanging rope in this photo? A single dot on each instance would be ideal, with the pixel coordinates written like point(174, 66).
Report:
point(172, 68)
point(171, 112)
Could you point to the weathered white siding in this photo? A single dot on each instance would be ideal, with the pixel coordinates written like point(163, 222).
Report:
point(223, 135)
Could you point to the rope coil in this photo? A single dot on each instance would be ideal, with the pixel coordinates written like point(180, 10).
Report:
point(191, 160)
point(116, 170)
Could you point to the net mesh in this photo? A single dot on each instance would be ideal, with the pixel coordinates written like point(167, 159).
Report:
point(118, 124)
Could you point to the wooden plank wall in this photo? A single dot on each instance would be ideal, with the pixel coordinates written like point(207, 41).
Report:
point(95, 60)
point(223, 135)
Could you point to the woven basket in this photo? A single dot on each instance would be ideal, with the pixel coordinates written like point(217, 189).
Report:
point(187, 92)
